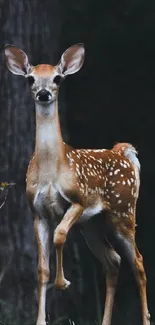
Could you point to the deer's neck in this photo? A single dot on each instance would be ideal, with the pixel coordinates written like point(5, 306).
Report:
point(49, 146)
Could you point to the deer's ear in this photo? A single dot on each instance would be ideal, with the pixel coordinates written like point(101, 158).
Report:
point(16, 60)
point(72, 59)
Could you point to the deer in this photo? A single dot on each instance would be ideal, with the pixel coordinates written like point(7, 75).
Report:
point(70, 186)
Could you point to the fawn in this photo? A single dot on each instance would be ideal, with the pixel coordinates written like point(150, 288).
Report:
point(73, 185)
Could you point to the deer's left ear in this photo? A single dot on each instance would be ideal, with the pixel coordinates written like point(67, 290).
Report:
point(72, 59)
point(16, 60)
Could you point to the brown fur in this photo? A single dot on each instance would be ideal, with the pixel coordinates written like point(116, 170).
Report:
point(43, 70)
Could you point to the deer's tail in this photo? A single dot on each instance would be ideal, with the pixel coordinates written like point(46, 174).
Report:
point(130, 153)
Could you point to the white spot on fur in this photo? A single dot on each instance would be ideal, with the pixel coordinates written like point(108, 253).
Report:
point(124, 215)
point(116, 171)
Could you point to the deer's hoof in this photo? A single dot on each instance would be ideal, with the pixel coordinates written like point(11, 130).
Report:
point(62, 285)
point(67, 284)
point(148, 316)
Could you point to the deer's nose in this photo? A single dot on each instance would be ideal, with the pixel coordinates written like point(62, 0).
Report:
point(43, 95)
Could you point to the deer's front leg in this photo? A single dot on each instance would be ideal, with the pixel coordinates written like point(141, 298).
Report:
point(60, 234)
point(42, 236)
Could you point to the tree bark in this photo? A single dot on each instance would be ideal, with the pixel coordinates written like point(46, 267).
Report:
point(34, 26)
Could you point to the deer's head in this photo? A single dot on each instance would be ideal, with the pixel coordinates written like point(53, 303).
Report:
point(44, 79)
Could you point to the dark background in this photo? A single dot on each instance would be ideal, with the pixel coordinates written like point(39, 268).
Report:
point(111, 99)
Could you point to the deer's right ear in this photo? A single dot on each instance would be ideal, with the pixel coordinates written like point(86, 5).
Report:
point(16, 60)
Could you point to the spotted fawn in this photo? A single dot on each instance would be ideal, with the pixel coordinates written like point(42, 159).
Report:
point(73, 185)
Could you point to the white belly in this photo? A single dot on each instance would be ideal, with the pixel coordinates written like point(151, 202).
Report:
point(88, 212)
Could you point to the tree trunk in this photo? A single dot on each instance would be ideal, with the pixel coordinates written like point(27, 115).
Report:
point(36, 27)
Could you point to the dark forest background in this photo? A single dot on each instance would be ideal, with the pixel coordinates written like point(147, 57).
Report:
point(111, 99)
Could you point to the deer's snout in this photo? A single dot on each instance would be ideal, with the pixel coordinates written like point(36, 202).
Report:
point(44, 95)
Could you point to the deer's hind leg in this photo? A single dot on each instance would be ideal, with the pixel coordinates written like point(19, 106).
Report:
point(125, 238)
point(111, 264)
point(140, 276)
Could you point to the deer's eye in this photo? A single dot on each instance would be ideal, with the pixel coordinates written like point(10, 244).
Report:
point(57, 80)
point(30, 80)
